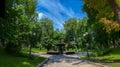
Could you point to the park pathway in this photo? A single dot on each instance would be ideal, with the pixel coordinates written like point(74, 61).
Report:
point(68, 61)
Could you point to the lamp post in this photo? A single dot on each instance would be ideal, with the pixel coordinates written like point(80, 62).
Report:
point(86, 39)
point(31, 40)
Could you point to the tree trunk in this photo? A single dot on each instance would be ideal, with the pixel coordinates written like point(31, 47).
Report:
point(3, 43)
point(114, 43)
point(30, 50)
point(116, 9)
point(87, 51)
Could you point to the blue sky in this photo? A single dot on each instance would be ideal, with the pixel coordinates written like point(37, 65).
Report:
point(60, 10)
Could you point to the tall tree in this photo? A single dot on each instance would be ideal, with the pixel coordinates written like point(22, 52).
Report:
point(103, 17)
point(47, 32)
point(16, 24)
point(115, 4)
point(104, 8)
point(70, 28)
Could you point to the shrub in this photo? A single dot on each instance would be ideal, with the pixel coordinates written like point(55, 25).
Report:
point(13, 48)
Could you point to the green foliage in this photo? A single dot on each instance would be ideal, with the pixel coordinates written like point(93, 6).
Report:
point(13, 49)
point(75, 30)
point(20, 19)
point(46, 33)
point(70, 27)
point(96, 10)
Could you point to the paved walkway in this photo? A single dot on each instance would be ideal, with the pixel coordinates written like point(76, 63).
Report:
point(68, 61)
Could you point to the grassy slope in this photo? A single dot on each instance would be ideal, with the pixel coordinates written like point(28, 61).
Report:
point(112, 58)
point(13, 61)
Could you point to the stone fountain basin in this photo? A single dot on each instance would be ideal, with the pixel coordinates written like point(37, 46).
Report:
point(53, 53)
point(57, 53)
point(69, 53)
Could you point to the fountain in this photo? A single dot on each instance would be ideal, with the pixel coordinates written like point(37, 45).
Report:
point(61, 48)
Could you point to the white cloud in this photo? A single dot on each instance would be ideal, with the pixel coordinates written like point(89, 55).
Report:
point(40, 15)
point(55, 7)
point(55, 11)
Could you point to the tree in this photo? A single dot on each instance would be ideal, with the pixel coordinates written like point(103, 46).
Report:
point(103, 6)
point(102, 19)
point(75, 29)
point(102, 9)
point(70, 29)
point(81, 29)
point(116, 8)
point(47, 32)
point(16, 23)
point(57, 35)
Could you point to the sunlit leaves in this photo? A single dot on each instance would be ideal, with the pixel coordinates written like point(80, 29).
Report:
point(118, 3)
point(96, 4)
point(103, 16)
point(110, 25)
point(101, 6)
point(30, 5)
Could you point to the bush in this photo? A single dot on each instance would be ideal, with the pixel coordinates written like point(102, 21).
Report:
point(13, 48)
point(101, 52)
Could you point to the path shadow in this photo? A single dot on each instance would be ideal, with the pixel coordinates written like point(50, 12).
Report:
point(104, 60)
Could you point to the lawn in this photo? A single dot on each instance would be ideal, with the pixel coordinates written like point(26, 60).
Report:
point(18, 61)
point(112, 58)
point(38, 50)
point(33, 50)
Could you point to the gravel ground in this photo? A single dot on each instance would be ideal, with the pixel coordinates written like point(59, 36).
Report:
point(68, 61)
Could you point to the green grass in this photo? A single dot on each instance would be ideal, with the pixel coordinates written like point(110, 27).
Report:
point(74, 50)
point(113, 54)
point(110, 57)
point(25, 50)
point(38, 50)
point(18, 61)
